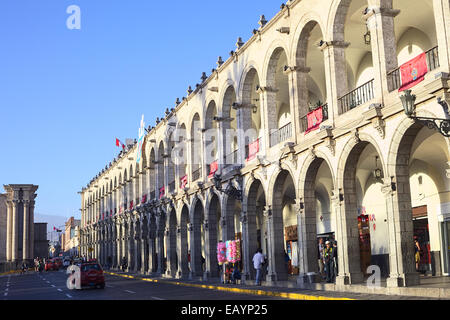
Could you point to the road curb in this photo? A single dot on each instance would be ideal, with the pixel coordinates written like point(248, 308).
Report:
point(287, 295)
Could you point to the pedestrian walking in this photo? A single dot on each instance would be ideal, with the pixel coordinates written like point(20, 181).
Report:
point(328, 260)
point(236, 275)
point(336, 270)
point(258, 261)
point(417, 252)
point(320, 248)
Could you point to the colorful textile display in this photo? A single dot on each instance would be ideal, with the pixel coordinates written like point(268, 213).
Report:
point(233, 251)
point(221, 253)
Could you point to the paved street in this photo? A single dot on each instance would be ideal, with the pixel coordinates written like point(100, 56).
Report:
point(52, 286)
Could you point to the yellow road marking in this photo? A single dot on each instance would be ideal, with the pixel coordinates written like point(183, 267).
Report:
point(287, 295)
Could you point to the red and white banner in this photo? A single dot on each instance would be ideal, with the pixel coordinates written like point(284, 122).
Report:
point(119, 143)
point(184, 182)
point(161, 192)
point(315, 118)
point(213, 167)
point(413, 72)
point(253, 149)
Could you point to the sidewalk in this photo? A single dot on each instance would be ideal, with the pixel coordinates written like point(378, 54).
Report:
point(283, 291)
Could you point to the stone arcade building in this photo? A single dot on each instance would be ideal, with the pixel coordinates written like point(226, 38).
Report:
point(370, 177)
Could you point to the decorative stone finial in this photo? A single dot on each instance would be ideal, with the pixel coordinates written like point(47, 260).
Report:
point(219, 61)
point(262, 21)
point(189, 90)
point(204, 77)
point(239, 43)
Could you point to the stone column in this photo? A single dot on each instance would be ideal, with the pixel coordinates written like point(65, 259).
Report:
point(441, 10)
point(26, 235)
point(335, 74)
point(246, 257)
point(31, 223)
point(301, 97)
point(401, 248)
point(9, 220)
point(144, 250)
point(183, 270)
point(171, 252)
point(380, 22)
point(347, 239)
point(160, 241)
point(196, 249)
point(15, 231)
point(211, 270)
point(271, 272)
point(137, 241)
point(151, 244)
point(130, 241)
point(268, 97)
point(113, 243)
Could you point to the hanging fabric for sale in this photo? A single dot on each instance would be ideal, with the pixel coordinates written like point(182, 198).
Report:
point(221, 253)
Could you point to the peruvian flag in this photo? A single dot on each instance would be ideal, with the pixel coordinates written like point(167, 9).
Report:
point(314, 118)
point(119, 143)
point(413, 72)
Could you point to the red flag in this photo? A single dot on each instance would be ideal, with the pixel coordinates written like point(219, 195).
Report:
point(118, 143)
point(315, 118)
point(213, 167)
point(184, 182)
point(253, 149)
point(413, 72)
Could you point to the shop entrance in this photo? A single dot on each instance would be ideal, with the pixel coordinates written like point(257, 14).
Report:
point(421, 232)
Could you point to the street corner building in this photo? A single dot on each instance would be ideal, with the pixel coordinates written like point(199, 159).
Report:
point(322, 146)
point(20, 238)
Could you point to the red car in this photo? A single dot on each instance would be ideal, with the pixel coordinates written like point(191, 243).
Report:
point(58, 263)
point(92, 275)
point(49, 265)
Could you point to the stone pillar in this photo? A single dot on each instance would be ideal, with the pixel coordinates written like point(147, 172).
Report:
point(401, 247)
point(380, 22)
point(271, 272)
point(347, 239)
point(335, 74)
point(246, 254)
point(137, 242)
point(268, 97)
point(15, 231)
point(26, 231)
point(441, 10)
point(130, 241)
point(307, 248)
point(160, 241)
point(301, 97)
point(183, 269)
point(196, 249)
point(31, 223)
point(211, 270)
point(9, 220)
point(171, 252)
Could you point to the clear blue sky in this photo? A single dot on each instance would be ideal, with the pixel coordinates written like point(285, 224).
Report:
point(65, 95)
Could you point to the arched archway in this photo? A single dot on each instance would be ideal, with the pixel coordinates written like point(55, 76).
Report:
point(251, 114)
point(362, 182)
point(254, 228)
point(280, 219)
point(197, 237)
point(278, 98)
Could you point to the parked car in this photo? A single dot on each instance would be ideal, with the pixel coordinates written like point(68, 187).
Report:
point(58, 263)
point(66, 262)
point(49, 265)
point(92, 275)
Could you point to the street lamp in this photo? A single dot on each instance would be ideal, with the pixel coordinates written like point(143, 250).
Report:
point(441, 125)
point(230, 190)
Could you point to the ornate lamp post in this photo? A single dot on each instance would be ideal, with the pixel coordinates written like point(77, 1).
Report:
point(441, 125)
point(230, 190)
